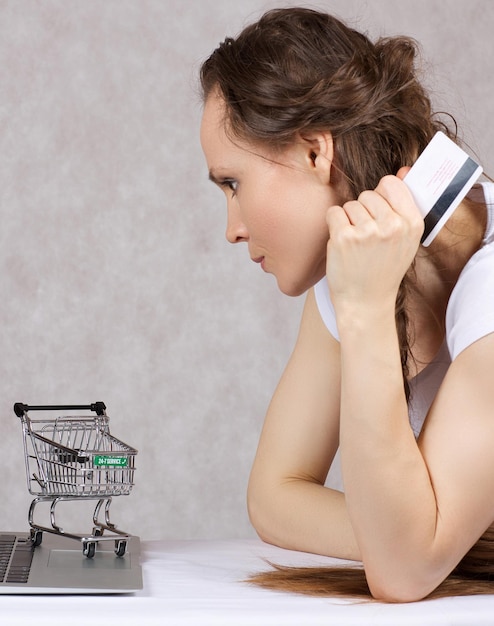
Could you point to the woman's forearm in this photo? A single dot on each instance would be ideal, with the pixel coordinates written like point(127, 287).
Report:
point(288, 503)
point(388, 490)
point(299, 514)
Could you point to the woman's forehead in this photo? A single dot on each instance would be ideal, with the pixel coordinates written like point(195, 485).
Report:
point(213, 116)
point(220, 144)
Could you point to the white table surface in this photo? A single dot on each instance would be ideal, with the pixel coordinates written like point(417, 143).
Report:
point(200, 583)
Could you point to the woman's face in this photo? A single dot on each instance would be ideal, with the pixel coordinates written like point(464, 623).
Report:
point(276, 204)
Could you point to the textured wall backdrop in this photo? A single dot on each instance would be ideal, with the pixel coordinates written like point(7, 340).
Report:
point(116, 281)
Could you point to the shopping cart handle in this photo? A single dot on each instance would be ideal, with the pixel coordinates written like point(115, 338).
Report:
point(98, 407)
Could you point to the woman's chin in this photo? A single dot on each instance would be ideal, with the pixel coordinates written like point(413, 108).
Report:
point(291, 288)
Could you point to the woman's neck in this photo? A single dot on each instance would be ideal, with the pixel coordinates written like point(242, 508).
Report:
point(434, 275)
point(438, 267)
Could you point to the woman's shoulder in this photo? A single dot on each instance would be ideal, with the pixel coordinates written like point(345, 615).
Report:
point(470, 313)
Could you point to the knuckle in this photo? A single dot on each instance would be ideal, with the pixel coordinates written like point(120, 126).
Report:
point(365, 196)
point(387, 184)
point(350, 203)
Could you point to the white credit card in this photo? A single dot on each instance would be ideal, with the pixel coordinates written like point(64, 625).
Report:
point(439, 180)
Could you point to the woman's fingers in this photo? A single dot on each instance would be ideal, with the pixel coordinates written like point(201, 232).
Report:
point(337, 218)
point(399, 198)
point(373, 240)
point(402, 172)
point(391, 196)
point(390, 200)
point(388, 211)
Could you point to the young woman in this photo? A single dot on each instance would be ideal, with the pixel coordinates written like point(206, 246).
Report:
point(309, 128)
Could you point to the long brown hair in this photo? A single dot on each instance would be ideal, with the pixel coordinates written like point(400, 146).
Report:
point(298, 71)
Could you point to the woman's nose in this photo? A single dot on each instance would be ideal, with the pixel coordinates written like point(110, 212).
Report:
point(236, 231)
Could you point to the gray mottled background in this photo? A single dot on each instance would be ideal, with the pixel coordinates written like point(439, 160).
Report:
point(116, 281)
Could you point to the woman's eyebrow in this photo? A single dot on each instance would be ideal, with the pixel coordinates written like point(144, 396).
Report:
point(215, 177)
point(212, 177)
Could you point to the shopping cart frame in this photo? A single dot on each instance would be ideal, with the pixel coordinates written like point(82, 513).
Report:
point(75, 458)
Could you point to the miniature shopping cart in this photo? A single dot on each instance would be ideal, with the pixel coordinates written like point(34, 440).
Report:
point(73, 458)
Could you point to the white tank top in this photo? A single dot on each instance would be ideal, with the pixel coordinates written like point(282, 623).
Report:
point(469, 315)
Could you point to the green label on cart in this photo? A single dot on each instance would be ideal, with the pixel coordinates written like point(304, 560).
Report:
point(102, 460)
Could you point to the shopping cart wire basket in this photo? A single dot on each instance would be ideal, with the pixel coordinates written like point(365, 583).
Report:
point(75, 457)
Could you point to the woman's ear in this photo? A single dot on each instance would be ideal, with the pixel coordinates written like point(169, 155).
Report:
point(319, 154)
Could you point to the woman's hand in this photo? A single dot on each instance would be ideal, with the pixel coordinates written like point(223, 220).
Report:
point(372, 242)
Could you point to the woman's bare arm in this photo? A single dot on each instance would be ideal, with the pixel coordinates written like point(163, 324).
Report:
point(288, 503)
point(415, 509)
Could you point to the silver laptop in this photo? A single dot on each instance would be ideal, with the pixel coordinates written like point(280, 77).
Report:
point(58, 566)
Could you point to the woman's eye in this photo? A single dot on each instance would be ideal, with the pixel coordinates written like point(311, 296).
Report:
point(231, 184)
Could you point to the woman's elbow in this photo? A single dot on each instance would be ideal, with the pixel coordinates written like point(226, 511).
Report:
point(261, 515)
point(401, 588)
point(257, 514)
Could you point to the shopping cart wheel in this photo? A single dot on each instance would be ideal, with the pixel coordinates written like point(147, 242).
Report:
point(88, 549)
point(120, 547)
point(97, 531)
point(36, 537)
